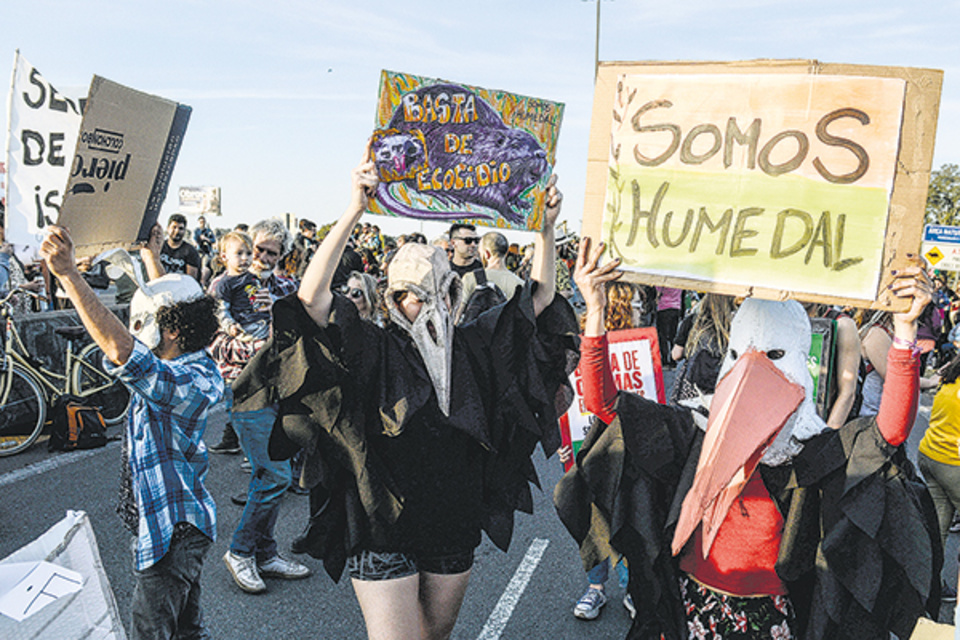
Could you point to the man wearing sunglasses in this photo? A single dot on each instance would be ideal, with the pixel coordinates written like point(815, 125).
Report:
point(466, 249)
point(253, 552)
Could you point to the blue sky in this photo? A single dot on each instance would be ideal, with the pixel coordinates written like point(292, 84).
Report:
point(284, 91)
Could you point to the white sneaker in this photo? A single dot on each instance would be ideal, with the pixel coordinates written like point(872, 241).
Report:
point(280, 567)
point(589, 605)
point(244, 572)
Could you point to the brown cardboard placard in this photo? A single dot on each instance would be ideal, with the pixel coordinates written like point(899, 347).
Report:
point(126, 151)
point(905, 125)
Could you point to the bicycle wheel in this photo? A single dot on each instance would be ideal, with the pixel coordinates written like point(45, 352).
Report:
point(23, 410)
point(91, 383)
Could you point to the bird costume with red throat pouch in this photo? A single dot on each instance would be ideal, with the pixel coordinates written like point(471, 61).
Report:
point(759, 499)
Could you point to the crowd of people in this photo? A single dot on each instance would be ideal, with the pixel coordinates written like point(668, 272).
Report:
point(405, 382)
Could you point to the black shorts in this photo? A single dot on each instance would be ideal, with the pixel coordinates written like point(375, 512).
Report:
point(390, 565)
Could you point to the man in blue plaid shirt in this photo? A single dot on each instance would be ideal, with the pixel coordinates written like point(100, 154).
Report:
point(175, 384)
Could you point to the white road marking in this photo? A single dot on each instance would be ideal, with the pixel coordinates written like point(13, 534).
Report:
point(50, 464)
point(923, 409)
point(511, 595)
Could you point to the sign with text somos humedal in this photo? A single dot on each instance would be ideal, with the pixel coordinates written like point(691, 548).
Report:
point(759, 179)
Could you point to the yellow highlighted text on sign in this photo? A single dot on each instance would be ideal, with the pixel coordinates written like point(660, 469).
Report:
point(788, 233)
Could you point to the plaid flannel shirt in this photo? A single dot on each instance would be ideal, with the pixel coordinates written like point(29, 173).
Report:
point(168, 459)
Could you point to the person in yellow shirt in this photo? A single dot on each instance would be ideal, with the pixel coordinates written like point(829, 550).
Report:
point(939, 459)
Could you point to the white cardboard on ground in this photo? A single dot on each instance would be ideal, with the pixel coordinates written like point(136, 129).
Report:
point(89, 613)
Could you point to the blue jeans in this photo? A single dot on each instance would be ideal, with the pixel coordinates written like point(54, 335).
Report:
point(269, 480)
point(166, 597)
point(598, 575)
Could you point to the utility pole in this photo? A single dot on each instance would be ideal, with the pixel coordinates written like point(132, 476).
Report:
point(596, 47)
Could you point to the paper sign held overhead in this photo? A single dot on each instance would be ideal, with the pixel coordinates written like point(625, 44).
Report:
point(776, 179)
point(447, 151)
point(43, 124)
point(126, 152)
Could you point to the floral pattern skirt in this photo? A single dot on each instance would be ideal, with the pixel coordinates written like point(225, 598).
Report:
point(718, 616)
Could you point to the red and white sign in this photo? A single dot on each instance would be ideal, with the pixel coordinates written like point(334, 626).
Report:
point(635, 364)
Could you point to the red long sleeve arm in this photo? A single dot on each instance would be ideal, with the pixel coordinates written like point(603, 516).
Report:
point(898, 405)
point(599, 390)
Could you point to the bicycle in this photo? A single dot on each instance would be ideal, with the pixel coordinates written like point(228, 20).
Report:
point(27, 386)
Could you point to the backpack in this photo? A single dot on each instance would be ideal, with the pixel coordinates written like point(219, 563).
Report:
point(486, 296)
point(76, 425)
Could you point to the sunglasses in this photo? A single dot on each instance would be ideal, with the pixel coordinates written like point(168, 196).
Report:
point(470, 240)
point(353, 294)
point(269, 252)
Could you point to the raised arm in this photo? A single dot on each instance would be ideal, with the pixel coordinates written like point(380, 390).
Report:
point(314, 289)
point(544, 269)
point(599, 391)
point(150, 253)
point(104, 327)
point(898, 405)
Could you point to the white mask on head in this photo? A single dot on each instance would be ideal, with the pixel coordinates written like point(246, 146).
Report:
point(424, 271)
point(782, 331)
point(151, 296)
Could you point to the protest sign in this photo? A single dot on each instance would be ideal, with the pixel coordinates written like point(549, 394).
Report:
point(447, 151)
point(126, 151)
point(41, 133)
point(790, 179)
point(635, 364)
point(199, 201)
point(821, 361)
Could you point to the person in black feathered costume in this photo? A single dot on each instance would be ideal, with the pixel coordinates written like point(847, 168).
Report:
point(417, 436)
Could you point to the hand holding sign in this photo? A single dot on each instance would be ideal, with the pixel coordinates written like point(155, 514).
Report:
point(364, 180)
point(592, 280)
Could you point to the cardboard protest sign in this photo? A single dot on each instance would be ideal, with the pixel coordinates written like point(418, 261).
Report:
point(199, 201)
point(447, 151)
point(636, 367)
point(126, 151)
point(775, 179)
point(41, 135)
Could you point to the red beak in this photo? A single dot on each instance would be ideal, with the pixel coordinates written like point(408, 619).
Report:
point(751, 405)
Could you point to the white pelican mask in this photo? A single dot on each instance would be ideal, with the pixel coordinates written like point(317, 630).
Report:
point(762, 411)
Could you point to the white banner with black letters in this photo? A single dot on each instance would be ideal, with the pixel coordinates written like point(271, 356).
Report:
point(41, 137)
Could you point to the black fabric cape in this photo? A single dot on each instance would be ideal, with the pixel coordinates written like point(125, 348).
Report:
point(860, 552)
point(387, 470)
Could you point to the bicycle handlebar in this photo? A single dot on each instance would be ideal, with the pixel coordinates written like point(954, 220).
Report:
point(5, 299)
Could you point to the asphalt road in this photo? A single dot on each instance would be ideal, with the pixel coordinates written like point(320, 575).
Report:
point(37, 488)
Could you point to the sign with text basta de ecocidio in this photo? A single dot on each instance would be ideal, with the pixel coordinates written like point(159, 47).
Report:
point(779, 179)
point(447, 151)
point(126, 151)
